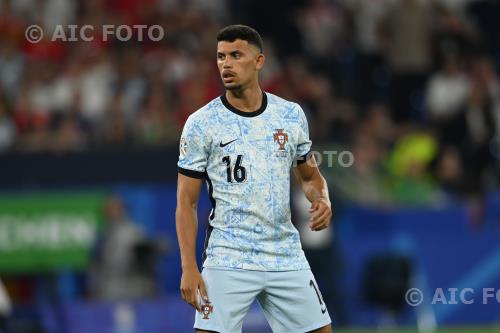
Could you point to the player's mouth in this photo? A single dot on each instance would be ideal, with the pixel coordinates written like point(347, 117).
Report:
point(228, 76)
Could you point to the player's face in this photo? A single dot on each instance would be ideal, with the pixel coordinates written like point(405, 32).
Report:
point(239, 63)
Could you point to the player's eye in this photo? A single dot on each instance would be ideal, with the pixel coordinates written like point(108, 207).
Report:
point(236, 55)
point(220, 56)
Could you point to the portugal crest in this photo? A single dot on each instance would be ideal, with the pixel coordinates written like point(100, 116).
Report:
point(281, 138)
point(207, 309)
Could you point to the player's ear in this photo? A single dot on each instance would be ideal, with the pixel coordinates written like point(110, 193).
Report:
point(259, 61)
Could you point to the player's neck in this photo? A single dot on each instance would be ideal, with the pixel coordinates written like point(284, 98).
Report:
point(246, 100)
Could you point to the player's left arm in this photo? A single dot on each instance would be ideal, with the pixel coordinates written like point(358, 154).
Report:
point(316, 190)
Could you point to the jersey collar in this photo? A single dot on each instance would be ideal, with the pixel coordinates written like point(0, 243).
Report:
point(243, 113)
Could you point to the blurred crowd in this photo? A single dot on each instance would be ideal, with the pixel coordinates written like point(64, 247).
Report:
point(411, 87)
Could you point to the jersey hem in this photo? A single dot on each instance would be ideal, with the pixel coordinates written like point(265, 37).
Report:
point(210, 328)
point(319, 325)
point(303, 158)
point(191, 173)
point(259, 269)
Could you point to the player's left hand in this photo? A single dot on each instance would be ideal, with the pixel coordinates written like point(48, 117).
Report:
point(321, 214)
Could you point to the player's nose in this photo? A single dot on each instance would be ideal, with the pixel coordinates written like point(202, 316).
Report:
point(227, 63)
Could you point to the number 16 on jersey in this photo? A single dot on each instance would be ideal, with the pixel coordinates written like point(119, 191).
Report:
point(236, 172)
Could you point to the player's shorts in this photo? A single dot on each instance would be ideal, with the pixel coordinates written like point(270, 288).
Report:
point(291, 300)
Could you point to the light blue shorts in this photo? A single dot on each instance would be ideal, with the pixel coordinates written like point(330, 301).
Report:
point(291, 300)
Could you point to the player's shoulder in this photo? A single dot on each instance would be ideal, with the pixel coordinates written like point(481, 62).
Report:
point(293, 109)
point(273, 99)
point(206, 113)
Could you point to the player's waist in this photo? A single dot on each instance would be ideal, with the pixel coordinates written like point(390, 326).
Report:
point(233, 242)
point(226, 215)
point(266, 263)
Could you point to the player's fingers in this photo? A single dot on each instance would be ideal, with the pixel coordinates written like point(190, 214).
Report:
point(185, 292)
point(193, 301)
point(196, 304)
point(203, 291)
point(183, 295)
point(317, 214)
point(186, 295)
point(322, 222)
point(314, 206)
point(320, 226)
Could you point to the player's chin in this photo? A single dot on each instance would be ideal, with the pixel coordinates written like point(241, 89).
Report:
point(232, 86)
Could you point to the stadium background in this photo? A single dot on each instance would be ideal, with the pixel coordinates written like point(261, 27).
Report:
point(88, 150)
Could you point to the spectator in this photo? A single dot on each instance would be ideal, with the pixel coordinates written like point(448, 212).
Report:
point(364, 182)
point(379, 125)
point(409, 164)
point(447, 91)
point(95, 84)
point(73, 96)
point(7, 128)
point(156, 124)
point(449, 172)
point(5, 307)
point(484, 15)
point(12, 66)
point(322, 26)
point(368, 16)
point(408, 36)
point(114, 129)
point(474, 128)
point(132, 82)
point(68, 135)
point(116, 273)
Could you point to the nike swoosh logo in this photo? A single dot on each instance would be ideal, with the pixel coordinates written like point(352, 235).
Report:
point(323, 311)
point(225, 144)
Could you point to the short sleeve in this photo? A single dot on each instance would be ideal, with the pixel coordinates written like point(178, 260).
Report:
point(303, 142)
point(193, 150)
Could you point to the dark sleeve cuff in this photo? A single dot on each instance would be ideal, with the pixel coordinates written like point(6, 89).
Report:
point(303, 158)
point(191, 173)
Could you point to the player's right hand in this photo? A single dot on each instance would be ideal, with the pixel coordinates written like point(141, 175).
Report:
point(191, 283)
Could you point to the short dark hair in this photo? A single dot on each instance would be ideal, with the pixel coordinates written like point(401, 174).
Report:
point(240, 31)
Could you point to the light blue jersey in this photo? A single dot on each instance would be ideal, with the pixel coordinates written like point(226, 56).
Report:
point(246, 159)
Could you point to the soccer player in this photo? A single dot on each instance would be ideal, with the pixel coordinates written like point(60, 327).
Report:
point(244, 144)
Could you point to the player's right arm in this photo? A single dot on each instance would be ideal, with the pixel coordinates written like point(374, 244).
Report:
point(186, 222)
point(192, 165)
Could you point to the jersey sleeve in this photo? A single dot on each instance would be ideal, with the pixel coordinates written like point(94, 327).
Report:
point(193, 150)
point(303, 142)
